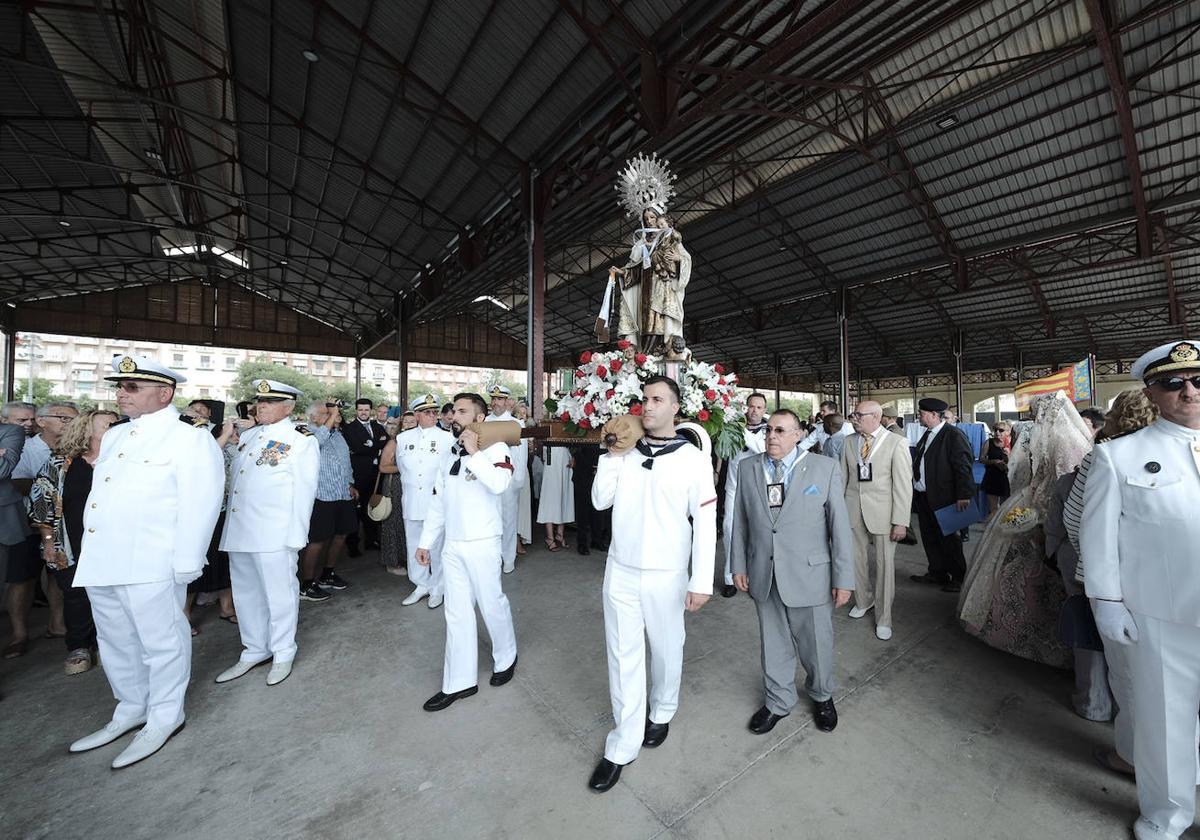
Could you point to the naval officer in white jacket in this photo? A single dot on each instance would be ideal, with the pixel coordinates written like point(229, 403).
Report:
point(156, 493)
point(465, 511)
point(1140, 541)
point(419, 454)
point(652, 489)
point(272, 487)
point(502, 405)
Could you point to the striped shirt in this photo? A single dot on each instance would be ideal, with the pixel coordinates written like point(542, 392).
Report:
point(1073, 510)
point(336, 476)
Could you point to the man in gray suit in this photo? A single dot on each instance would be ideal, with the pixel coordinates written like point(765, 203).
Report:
point(793, 552)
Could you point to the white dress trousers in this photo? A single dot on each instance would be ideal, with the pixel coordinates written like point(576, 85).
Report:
point(145, 649)
point(427, 577)
point(266, 595)
point(473, 577)
point(641, 604)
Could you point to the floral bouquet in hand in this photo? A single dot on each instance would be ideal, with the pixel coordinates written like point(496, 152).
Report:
point(1018, 520)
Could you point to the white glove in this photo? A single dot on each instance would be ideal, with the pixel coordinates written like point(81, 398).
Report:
point(184, 578)
point(1114, 621)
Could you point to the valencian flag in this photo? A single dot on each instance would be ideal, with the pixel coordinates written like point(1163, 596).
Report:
point(1075, 381)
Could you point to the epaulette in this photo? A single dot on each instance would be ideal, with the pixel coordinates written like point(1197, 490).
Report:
point(194, 422)
point(1121, 435)
point(119, 422)
point(304, 430)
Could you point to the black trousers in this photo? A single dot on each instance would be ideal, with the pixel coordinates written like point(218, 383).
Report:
point(592, 527)
point(945, 554)
point(77, 610)
point(365, 484)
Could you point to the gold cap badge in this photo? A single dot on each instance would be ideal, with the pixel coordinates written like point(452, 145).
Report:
point(264, 387)
point(127, 365)
point(1184, 352)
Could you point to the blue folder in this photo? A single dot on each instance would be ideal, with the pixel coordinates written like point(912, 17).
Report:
point(951, 520)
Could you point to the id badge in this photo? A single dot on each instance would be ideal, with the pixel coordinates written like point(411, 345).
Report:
point(775, 495)
point(864, 472)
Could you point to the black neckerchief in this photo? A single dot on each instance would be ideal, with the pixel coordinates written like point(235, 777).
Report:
point(672, 444)
point(459, 453)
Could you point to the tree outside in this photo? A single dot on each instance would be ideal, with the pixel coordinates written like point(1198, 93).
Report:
point(496, 377)
point(42, 394)
point(311, 387)
point(419, 388)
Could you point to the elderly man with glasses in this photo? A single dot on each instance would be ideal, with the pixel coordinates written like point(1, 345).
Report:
point(1139, 537)
point(156, 492)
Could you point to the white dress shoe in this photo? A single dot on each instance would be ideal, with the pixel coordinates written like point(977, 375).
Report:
point(883, 632)
point(417, 594)
point(111, 732)
point(145, 744)
point(399, 571)
point(435, 601)
point(238, 670)
point(859, 612)
point(510, 566)
point(279, 672)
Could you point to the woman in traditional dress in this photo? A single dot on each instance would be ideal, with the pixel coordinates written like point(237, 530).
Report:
point(525, 496)
point(556, 502)
point(1011, 599)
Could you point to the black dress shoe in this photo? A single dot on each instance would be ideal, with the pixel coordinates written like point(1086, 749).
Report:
point(501, 677)
point(583, 549)
point(953, 586)
point(441, 701)
point(764, 720)
point(825, 715)
point(728, 591)
point(605, 775)
point(656, 733)
point(931, 578)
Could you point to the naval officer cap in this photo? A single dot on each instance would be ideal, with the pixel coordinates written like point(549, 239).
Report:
point(500, 391)
point(1167, 358)
point(143, 369)
point(268, 390)
point(424, 403)
point(932, 404)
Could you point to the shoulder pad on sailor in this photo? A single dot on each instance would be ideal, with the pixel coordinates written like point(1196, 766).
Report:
point(195, 422)
point(119, 422)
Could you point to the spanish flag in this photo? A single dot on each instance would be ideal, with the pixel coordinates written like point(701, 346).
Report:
point(1074, 381)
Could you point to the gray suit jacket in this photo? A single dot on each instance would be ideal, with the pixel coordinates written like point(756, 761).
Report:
point(808, 551)
point(14, 520)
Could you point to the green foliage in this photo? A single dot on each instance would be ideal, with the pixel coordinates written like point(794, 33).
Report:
point(41, 390)
point(495, 377)
point(419, 388)
point(803, 408)
point(730, 440)
point(311, 387)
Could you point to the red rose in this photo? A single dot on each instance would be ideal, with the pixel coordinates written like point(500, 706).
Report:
point(588, 408)
point(565, 417)
point(623, 344)
point(719, 368)
point(584, 423)
point(578, 374)
point(721, 380)
point(636, 409)
point(601, 371)
point(710, 394)
point(703, 415)
point(725, 399)
point(640, 358)
point(611, 393)
point(615, 365)
point(585, 357)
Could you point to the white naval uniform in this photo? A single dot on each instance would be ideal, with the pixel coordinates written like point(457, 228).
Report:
point(419, 454)
point(156, 493)
point(272, 486)
point(1139, 536)
point(646, 579)
point(510, 501)
point(465, 511)
point(756, 444)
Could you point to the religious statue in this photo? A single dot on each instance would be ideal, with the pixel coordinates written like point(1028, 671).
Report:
point(651, 284)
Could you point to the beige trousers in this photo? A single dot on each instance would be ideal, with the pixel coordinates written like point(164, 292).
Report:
point(883, 550)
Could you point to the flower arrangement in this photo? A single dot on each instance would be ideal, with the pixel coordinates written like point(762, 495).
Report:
point(608, 384)
point(1019, 520)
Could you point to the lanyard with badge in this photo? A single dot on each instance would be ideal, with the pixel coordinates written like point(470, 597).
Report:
point(865, 453)
point(777, 478)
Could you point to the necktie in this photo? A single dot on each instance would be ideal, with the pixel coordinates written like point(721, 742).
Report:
point(918, 455)
point(866, 447)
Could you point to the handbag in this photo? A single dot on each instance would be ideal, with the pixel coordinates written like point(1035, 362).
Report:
point(379, 507)
point(1077, 625)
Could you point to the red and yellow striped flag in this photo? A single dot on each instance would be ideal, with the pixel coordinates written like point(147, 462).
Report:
point(1072, 380)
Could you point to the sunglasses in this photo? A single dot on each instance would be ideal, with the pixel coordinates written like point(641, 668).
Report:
point(133, 387)
point(858, 415)
point(779, 430)
point(1176, 383)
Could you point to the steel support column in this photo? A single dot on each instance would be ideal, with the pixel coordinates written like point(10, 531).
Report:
point(357, 369)
point(10, 363)
point(401, 358)
point(778, 378)
point(958, 375)
point(843, 324)
point(535, 195)
point(1092, 377)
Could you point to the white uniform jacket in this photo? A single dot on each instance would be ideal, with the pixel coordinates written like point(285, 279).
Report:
point(651, 509)
point(519, 454)
point(419, 454)
point(466, 506)
point(156, 493)
point(756, 444)
point(1140, 531)
point(272, 486)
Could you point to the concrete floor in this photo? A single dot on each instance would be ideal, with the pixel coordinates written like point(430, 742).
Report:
point(940, 736)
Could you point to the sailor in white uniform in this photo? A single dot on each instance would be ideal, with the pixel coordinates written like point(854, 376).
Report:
point(502, 404)
point(156, 492)
point(652, 489)
point(756, 444)
point(419, 454)
point(1140, 541)
point(465, 511)
point(272, 487)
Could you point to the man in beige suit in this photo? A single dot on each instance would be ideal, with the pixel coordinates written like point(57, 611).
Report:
point(877, 474)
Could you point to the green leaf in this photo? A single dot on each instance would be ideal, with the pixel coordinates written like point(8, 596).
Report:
point(730, 440)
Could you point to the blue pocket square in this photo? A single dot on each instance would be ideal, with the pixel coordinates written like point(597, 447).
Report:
point(811, 490)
